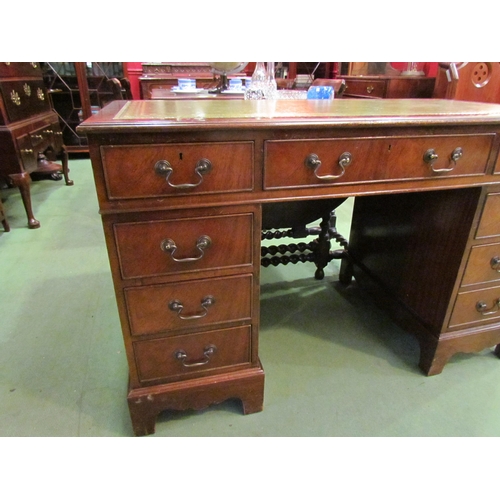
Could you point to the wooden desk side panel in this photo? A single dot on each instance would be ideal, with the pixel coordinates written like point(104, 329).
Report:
point(413, 244)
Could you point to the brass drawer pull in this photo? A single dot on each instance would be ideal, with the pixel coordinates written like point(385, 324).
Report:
point(177, 306)
point(482, 307)
point(163, 167)
point(313, 161)
point(207, 353)
point(430, 156)
point(370, 89)
point(202, 243)
point(14, 97)
point(495, 263)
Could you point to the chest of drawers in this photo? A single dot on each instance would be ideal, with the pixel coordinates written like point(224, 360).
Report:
point(30, 136)
point(181, 189)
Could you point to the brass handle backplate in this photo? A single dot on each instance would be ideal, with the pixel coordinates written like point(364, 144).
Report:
point(313, 161)
point(430, 156)
point(202, 243)
point(14, 97)
point(163, 167)
point(208, 352)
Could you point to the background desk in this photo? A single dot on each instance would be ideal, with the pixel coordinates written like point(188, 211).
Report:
point(184, 239)
point(158, 93)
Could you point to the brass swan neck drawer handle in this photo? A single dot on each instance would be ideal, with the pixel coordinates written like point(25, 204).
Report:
point(177, 306)
point(430, 156)
point(163, 167)
point(495, 263)
point(482, 307)
point(202, 243)
point(313, 161)
point(208, 352)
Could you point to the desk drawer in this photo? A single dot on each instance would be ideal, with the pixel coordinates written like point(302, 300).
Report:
point(177, 169)
point(190, 304)
point(475, 307)
point(483, 265)
point(290, 163)
point(490, 218)
point(367, 88)
point(163, 247)
point(193, 355)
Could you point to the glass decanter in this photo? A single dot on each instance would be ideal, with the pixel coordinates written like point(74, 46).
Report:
point(271, 86)
point(258, 84)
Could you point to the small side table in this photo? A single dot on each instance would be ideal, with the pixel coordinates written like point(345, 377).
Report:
point(3, 218)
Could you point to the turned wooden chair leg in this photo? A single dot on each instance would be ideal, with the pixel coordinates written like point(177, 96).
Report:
point(22, 181)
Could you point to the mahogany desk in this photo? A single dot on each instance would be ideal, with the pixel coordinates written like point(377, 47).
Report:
point(181, 186)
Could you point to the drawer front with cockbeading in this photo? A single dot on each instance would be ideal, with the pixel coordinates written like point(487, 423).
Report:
point(184, 245)
point(159, 170)
point(302, 162)
point(193, 355)
point(168, 308)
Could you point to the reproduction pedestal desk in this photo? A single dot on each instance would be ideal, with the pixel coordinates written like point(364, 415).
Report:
point(181, 188)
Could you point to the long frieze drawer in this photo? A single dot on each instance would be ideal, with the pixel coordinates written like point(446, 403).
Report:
point(193, 355)
point(483, 264)
point(490, 218)
point(173, 169)
point(163, 247)
point(191, 304)
point(475, 307)
point(290, 163)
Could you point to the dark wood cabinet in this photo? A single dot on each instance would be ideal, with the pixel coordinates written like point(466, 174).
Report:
point(30, 136)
